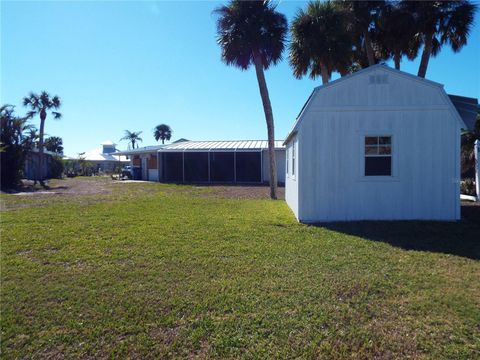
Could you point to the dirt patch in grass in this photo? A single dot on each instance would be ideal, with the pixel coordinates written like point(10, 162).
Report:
point(69, 186)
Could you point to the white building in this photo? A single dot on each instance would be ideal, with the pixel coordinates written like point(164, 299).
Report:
point(105, 158)
point(379, 144)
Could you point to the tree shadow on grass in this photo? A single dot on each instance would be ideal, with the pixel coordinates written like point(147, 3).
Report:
point(460, 238)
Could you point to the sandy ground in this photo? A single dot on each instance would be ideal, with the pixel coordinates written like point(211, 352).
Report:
point(96, 186)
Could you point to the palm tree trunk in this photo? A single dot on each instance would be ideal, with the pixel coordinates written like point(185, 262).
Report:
point(267, 108)
point(396, 59)
point(427, 50)
point(41, 159)
point(369, 48)
point(325, 74)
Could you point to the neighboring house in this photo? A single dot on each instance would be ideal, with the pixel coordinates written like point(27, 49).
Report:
point(32, 162)
point(106, 158)
point(244, 161)
point(145, 160)
point(379, 144)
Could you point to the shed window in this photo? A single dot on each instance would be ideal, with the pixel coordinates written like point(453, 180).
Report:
point(378, 156)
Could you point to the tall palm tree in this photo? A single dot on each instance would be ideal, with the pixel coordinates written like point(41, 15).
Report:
point(320, 41)
point(163, 132)
point(254, 33)
point(395, 34)
point(363, 16)
point(438, 23)
point(42, 104)
point(133, 137)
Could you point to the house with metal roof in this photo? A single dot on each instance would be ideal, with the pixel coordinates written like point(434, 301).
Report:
point(379, 144)
point(105, 158)
point(232, 161)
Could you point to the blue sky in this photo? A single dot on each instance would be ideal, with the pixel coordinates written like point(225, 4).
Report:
point(133, 65)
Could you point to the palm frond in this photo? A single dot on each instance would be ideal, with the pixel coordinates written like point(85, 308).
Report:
point(247, 27)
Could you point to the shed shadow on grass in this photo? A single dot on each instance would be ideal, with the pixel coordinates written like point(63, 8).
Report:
point(460, 238)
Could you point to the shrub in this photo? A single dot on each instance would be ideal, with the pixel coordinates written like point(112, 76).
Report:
point(56, 167)
point(14, 145)
point(467, 187)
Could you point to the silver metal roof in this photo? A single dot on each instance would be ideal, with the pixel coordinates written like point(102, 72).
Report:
point(231, 145)
point(142, 150)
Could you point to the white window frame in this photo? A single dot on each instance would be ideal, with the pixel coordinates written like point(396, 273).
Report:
point(294, 158)
point(394, 176)
point(287, 157)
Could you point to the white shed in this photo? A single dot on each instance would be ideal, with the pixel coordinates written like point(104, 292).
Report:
point(379, 144)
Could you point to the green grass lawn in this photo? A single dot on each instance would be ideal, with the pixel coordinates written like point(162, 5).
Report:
point(155, 270)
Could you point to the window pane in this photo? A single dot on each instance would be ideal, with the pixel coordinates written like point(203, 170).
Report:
point(371, 140)
point(378, 166)
point(385, 150)
point(385, 140)
point(371, 150)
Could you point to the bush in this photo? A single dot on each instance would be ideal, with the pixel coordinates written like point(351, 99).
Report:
point(56, 167)
point(467, 187)
point(14, 145)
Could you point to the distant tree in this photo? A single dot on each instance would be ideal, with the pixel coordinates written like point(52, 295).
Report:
point(32, 133)
point(163, 132)
point(320, 41)
point(254, 33)
point(14, 146)
point(54, 144)
point(438, 23)
point(41, 105)
point(133, 137)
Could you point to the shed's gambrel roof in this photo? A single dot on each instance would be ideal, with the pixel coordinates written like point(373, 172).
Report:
point(466, 122)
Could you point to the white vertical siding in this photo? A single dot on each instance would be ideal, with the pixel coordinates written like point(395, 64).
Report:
point(425, 160)
point(280, 158)
point(152, 174)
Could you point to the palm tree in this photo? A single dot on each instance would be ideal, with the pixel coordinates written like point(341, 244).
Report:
point(395, 34)
point(438, 23)
point(41, 105)
point(363, 16)
point(254, 33)
point(163, 132)
point(133, 137)
point(54, 144)
point(320, 42)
